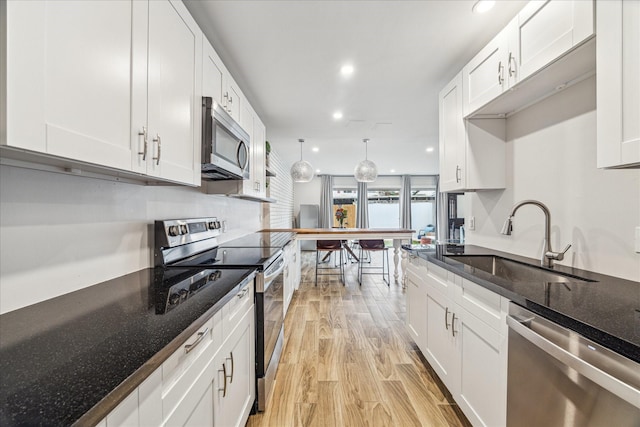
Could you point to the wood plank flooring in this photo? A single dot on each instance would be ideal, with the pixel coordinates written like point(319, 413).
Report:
point(348, 360)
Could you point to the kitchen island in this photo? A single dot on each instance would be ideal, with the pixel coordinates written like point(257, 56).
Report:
point(398, 235)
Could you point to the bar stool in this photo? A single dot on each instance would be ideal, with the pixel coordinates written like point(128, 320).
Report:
point(329, 246)
point(373, 246)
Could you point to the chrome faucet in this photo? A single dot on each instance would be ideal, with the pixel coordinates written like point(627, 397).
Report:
point(548, 256)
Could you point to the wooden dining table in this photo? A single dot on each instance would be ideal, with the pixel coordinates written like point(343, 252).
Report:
point(398, 235)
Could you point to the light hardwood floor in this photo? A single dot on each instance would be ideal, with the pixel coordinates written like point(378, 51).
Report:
point(348, 360)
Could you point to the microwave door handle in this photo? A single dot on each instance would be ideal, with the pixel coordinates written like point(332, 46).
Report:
point(242, 149)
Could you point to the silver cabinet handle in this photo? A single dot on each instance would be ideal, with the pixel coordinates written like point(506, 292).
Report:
point(295, 255)
point(231, 359)
point(458, 173)
point(446, 318)
point(242, 293)
point(201, 335)
point(224, 375)
point(144, 149)
point(512, 58)
point(159, 141)
point(453, 325)
point(500, 68)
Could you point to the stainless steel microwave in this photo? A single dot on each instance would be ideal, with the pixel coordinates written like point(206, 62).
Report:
point(225, 145)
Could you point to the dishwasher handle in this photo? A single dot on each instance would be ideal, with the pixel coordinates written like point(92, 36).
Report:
point(610, 383)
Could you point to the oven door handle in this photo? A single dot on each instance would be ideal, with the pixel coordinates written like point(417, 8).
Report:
point(603, 379)
point(270, 275)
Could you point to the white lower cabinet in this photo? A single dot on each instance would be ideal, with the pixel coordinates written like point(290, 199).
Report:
point(416, 304)
point(209, 381)
point(291, 272)
point(465, 339)
point(234, 379)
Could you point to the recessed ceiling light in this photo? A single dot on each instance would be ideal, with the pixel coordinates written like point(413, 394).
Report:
point(482, 6)
point(392, 171)
point(337, 115)
point(317, 170)
point(430, 150)
point(346, 70)
point(315, 149)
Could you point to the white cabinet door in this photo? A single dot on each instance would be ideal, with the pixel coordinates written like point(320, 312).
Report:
point(71, 75)
point(235, 394)
point(482, 358)
point(213, 72)
point(452, 137)
point(485, 76)
point(548, 29)
point(417, 306)
point(441, 347)
point(233, 96)
point(175, 46)
point(618, 83)
point(288, 282)
point(258, 149)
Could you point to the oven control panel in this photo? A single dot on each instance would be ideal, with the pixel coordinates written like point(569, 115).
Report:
point(176, 232)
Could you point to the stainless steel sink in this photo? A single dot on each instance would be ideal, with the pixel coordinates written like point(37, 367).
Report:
point(514, 271)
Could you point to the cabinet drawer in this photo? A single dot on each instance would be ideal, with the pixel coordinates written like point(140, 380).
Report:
point(183, 368)
point(235, 309)
point(437, 279)
point(482, 303)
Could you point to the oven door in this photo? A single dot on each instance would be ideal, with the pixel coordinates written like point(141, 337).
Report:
point(225, 149)
point(269, 327)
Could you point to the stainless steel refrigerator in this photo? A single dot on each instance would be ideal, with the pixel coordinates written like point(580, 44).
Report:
point(308, 218)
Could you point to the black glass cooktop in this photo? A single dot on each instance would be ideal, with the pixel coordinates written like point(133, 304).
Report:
point(224, 257)
point(262, 239)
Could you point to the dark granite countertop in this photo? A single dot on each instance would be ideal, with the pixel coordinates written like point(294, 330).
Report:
point(605, 309)
point(73, 358)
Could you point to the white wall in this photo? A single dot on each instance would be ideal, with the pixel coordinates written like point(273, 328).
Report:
point(306, 193)
point(551, 156)
point(281, 189)
point(60, 233)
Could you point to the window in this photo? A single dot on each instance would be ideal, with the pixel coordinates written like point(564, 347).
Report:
point(384, 202)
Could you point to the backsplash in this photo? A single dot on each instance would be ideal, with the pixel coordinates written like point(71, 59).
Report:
point(551, 157)
point(60, 233)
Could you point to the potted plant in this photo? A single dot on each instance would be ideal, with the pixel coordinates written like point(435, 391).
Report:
point(267, 150)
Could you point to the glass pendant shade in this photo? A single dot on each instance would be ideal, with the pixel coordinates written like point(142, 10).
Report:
point(366, 170)
point(301, 171)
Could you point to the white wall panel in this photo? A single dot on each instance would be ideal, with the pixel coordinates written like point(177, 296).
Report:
point(281, 189)
point(45, 219)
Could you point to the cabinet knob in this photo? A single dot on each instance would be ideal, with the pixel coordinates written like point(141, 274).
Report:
point(500, 77)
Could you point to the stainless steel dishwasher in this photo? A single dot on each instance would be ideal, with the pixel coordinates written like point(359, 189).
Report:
point(557, 377)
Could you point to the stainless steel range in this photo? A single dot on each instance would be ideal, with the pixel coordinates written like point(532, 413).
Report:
point(193, 244)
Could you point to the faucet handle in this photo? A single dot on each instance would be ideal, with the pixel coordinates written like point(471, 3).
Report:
point(558, 256)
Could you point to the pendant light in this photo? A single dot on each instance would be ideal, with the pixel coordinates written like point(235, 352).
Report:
point(366, 170)
point(301, 171)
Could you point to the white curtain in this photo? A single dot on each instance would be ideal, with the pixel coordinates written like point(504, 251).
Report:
point(326, 202)
point(405, 202)
point(362, 208)
point(441, 214)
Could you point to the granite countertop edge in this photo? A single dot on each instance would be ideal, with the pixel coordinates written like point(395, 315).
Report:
point(101, 409)
point(606, 339)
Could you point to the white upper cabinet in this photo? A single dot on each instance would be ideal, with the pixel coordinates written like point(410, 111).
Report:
point(174, 107)
point(472, 152)
point(535, 42)
point(486, 75)
point(618, 83)
point(108, 83)
point(548, 29)
point(452, 138)
point(259, 173)
point(71, 76)
point(213, 73)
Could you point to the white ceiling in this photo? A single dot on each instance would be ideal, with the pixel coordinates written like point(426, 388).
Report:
point(286, 57)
